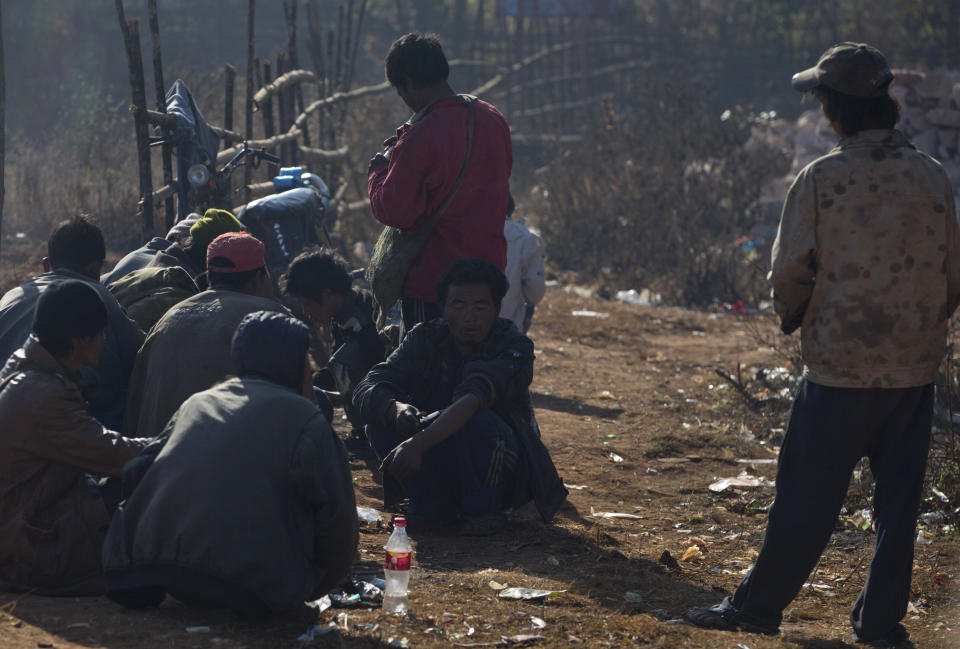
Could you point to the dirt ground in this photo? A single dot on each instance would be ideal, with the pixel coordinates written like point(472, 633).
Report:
point(639, 423)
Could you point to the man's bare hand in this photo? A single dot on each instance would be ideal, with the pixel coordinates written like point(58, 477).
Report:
point(404, 417)
point(390, 141)
point(377, 163)
point(404, 460)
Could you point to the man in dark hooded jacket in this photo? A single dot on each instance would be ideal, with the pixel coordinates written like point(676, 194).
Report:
point(249, 503)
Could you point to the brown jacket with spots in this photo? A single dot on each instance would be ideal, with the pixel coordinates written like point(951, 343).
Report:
point(867, 262)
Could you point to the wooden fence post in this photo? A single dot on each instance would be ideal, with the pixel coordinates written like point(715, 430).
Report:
point(166, 159)
point(248, 130)
point(131, 40)
point(229, 84)
point(3, 126)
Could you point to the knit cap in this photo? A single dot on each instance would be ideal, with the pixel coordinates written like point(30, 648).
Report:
point(271, 345)
point(213, 223)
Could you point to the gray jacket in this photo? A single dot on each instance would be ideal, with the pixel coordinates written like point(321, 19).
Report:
point(104, 386)
point(867, 262)
point(252, 489)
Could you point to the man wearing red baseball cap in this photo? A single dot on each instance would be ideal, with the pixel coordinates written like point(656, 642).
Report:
point(188, 350)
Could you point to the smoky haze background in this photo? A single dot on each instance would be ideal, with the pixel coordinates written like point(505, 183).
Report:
point(646, 189)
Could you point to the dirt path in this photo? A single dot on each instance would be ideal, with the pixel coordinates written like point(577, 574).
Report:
point(639, 385)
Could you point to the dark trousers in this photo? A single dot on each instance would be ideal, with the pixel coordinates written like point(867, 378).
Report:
point(471, 472)
point(830, 429)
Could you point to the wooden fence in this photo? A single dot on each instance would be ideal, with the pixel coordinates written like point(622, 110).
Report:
point(547, 75)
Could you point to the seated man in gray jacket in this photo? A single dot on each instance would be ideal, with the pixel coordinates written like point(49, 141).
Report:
point(483, 453)
point(249, 503)
point(76, 251)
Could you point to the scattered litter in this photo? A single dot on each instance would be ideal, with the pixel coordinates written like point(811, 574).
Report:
point(198, 629)
point(668, 560)
point(590, 314)
point(606, 395)
point(579, 291)
point(676, 620)
point(316, 631)
point(694, 540)
point(611, 436)
point(537, 622)
point(634, 598)
point(496, 585)
point(740, 645)
point(745, 433)
point(345, 600)
point(923, 538)
point(818, 586)
point(616, 458)
point(692, 553)
point(573, 638)
point(761, 460)
point(403, 643)
point(651, 470)
point(368, 515)
point(552, 560)
point(576, 487)
point(597, 514)
point(321, 604)
point(939, 494)
point(527, 594)
point(522, 639)
point(643, 297)
point(742, 480)
point(342, 621)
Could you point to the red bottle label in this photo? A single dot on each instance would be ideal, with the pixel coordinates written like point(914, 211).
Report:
point(397, 560)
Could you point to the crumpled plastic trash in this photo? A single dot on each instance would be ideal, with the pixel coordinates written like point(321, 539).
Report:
point(521, 639)
point(368, 515)
point(527, 594)
point(617, 459)
point(597, 514)
point(321, 604)
point(315, 632)
point(923, 538)
point(692, 553)
point(537, 623)
point(742, 480)
point(590, 314)
point(643, 297)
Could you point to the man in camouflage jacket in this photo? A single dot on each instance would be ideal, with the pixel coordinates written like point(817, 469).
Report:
point(867, 265)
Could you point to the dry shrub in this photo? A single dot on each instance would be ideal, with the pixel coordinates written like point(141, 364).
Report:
point(89, 169)
point(656, 197)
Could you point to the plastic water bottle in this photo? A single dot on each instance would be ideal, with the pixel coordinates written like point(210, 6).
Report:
point(397, 568)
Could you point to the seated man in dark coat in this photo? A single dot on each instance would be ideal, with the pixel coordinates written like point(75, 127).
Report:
point(53, 516)
point(483, 453)
point(249, 503)
point(321, 284)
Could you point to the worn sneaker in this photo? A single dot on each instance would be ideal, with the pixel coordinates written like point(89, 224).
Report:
point(714, 618)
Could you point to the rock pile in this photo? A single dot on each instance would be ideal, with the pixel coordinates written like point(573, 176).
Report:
point(929, 117)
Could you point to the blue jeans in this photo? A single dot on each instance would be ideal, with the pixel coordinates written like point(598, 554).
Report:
point(471, 472)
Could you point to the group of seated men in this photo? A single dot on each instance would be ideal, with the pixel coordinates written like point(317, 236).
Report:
point(198, 459)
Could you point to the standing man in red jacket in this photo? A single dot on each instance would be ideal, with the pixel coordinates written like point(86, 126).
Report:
point(418, 169)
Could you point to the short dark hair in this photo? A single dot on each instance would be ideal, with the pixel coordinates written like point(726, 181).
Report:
point(67, 310)
point(231, 280)
point(855, 114)
point(75, 243)
point(473, 271)
point(314, 270)
point(418, 58)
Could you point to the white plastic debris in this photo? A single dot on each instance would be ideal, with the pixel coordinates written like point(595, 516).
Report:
point(743, 480)
point(368, 515)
